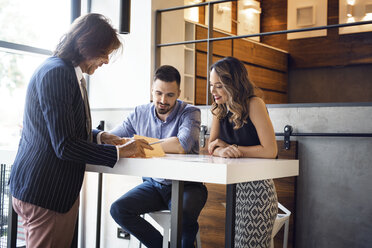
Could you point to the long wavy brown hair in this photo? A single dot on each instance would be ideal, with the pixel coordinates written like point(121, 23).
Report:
point(90, 36)
point(234, 78)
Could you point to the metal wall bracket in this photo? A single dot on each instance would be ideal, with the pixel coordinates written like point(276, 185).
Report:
point(101, 125)
point(203, 132)
point(287, 134)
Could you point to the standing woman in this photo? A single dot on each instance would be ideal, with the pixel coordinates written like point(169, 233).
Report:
point(241, 127)
point(57, 139)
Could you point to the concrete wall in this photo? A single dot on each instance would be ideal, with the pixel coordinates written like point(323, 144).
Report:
point(334, 188)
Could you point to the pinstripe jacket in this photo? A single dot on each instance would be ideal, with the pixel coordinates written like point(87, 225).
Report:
point(49, 167)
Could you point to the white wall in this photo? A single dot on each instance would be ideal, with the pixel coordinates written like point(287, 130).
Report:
point(125, 82)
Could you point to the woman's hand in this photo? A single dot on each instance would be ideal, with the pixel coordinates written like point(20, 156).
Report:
point(134, 148)
point(231, 151)
point(111, 139)
point(216, 143)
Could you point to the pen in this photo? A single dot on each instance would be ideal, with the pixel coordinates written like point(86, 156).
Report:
point(156, 142)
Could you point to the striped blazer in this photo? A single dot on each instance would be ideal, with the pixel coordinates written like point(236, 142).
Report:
point(48, 170)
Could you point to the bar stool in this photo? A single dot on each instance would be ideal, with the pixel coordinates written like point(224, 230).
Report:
point(281, 219)
point(163, 218)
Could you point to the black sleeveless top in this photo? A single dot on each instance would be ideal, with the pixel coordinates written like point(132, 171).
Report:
point(244, 136)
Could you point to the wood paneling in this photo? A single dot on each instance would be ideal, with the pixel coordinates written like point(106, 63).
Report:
point(331, 50)
point(234, 17)
point(273, 83)
point(269, 97)
point(272, 97)
point(267, 79)
point(274, 18)
point(200, 91)
point(257, 54)
point(262, 77)
point(202, 14)
point(221, 48)
point(201, 64)
point(212, 217)
point(267, 67)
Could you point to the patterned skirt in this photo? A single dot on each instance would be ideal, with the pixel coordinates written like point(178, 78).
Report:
point(255, 213)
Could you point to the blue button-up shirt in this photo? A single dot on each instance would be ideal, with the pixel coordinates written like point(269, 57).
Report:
point(183, 123)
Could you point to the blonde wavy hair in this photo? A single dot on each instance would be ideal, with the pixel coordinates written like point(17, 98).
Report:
point(234, 78)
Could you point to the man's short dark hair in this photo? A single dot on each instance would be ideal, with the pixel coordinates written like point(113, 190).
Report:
point(168, 73)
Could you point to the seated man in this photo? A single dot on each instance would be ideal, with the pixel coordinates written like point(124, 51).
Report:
point(177, 124)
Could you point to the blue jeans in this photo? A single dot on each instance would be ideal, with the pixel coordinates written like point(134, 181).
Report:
point(153, 196)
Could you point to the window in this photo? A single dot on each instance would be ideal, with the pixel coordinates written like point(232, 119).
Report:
point(15, 71)
point(37, 23)
point(30, 30)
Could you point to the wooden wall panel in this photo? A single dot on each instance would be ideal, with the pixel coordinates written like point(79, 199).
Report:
point(257, 54)
point(267, 79)
point(200, 91)
point(267, 66)
point(272, 82)
point(212, 217)
point(201, 63)
point(202, 14)
point(331, 50)
point(272, 97)
point(221, 48)
point(274, 18)
point(234, 17)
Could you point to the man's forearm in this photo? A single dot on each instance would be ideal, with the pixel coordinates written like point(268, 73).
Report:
point(172, 145)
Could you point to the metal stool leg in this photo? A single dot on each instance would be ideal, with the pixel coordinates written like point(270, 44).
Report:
point(163, 218)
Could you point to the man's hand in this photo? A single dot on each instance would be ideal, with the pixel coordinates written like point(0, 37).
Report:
point(134, 148)
point(216, 143)
point(111, 139)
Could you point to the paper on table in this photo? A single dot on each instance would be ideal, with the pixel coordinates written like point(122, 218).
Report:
point(158, 150)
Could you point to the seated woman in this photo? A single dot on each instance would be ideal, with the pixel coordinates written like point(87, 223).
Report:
point(241, 127)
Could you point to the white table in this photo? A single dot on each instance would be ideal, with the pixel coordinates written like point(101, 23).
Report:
point(202, 168)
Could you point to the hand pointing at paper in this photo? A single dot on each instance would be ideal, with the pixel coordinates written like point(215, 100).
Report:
point(127, 147)
point(134, 148)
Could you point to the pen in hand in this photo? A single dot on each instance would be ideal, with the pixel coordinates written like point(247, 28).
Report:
point(156, 142)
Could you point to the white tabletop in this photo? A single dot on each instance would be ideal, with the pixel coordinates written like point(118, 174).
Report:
point(202, 168)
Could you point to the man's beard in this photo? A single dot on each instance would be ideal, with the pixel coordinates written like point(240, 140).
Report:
point(163, 111)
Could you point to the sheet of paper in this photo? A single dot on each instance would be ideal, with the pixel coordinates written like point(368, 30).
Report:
point(158, 150)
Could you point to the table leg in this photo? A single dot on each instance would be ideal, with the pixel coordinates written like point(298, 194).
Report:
point(230, 215)
point(99, 210)
point(74, 243)
point(98, 218)
point(12, 225)
point(176, 213)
